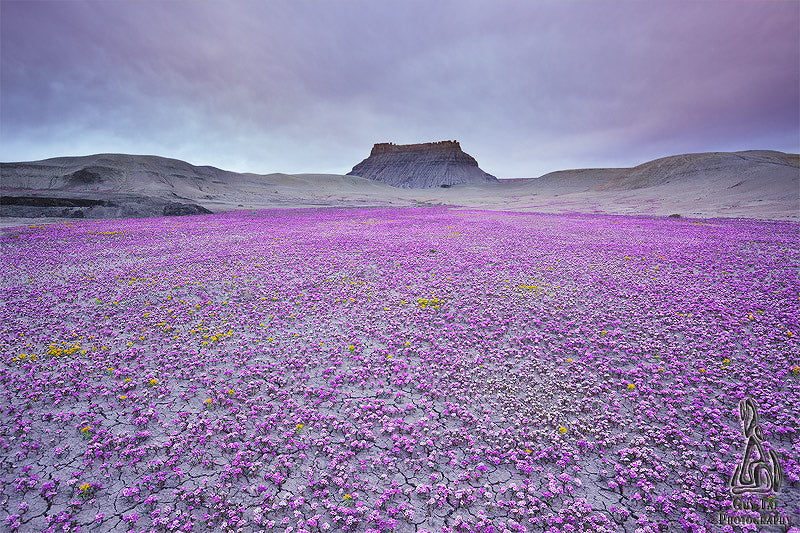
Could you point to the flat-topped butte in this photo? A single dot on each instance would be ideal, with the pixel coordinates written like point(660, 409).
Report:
point(421, 166)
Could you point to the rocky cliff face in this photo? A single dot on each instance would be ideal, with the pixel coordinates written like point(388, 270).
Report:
point(421, 166)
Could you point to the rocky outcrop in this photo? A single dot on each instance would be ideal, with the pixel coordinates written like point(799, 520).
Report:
point(72, 204)
point(177, 209)
point(105, 186)
point(421, 166)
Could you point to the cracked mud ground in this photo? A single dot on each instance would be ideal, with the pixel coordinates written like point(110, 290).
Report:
point(393, 370)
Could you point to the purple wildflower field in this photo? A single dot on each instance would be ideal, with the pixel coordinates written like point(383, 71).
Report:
point(419, 369)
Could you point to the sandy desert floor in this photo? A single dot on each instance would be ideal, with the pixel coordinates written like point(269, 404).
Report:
point(394, 369)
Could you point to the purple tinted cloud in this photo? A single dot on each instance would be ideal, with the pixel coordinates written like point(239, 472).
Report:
point(310, 85)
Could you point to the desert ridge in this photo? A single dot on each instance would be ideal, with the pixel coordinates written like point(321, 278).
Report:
point(756, 184)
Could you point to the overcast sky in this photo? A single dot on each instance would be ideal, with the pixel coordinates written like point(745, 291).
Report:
point(308, 86)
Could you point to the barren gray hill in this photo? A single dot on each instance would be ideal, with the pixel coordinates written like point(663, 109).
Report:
point(140, 174)
point(104, 186)
point(752, 184)
point(123, 185)
point(758, 168)
point(421, 166)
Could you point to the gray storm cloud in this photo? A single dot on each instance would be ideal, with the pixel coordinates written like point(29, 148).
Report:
point(310, 85)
